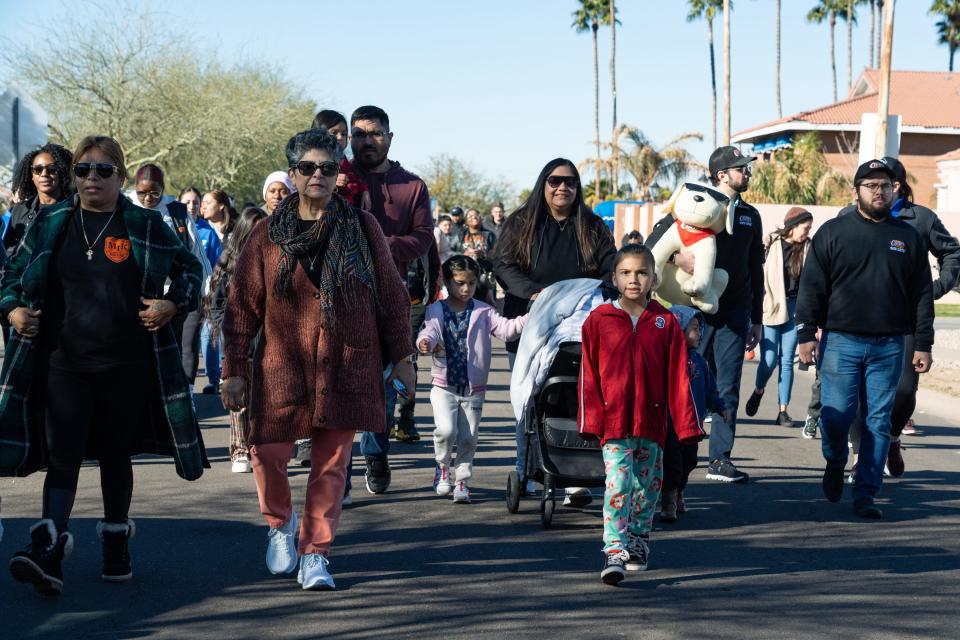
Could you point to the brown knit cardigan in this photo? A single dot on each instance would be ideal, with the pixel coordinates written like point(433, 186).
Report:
point(306, 375)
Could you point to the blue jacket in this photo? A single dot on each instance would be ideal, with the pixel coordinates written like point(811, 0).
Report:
point(703, 385)
point(210, 242)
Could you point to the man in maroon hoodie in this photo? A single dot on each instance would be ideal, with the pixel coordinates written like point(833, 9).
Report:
point(401, 203)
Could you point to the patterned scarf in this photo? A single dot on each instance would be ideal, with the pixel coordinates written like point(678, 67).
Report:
point(455, 327)
point(338, 237)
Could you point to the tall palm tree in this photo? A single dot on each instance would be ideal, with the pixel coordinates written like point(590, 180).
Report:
point(830, 10)
point(647, 164)
point(588, 18)
point(726, 72)
point(779, 103)
point(613, 22)
point(708, 9)
point(948, 27)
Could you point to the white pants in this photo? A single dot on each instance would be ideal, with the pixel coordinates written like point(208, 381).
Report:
point(457, 420)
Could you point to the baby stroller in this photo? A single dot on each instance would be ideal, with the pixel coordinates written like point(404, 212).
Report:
point(557, 456)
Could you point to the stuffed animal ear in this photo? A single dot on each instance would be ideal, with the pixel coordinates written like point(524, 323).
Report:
point(731, 215)
point(671, 203)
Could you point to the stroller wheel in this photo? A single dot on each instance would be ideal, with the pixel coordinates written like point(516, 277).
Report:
point(513, 492)
point(547, 506)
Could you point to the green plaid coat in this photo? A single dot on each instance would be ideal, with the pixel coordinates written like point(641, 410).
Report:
point(170, 427)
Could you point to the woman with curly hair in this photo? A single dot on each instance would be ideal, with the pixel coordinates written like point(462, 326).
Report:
point(41, 178)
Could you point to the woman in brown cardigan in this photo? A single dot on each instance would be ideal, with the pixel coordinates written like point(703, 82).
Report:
point(318, 279)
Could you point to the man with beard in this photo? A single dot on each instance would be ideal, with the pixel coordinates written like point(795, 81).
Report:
point(401, 204)
point(736, 327)
point(866, 284)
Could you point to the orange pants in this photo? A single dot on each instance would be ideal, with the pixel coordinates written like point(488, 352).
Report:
point(329, 455)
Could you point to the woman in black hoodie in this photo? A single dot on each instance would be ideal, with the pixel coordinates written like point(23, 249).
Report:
point(553, 236)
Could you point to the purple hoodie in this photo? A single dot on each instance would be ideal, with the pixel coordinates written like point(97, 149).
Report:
point(401, 204)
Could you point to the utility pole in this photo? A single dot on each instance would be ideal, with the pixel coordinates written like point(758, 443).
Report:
point(614, 167)
point(726, 72)
point(886, 55)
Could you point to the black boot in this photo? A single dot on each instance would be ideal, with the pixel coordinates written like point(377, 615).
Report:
point(406, 429)
point(41, 563)
point(117, 566)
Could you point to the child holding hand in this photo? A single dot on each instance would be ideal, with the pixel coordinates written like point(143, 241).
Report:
point(457, 332)
point(679, 460)
point(634, 368)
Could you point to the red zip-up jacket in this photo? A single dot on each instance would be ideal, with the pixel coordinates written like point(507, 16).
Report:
point(630, 377)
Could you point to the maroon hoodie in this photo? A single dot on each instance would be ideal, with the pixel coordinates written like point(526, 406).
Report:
point(401, 204)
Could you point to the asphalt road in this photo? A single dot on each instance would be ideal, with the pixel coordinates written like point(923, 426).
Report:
point(770, 559)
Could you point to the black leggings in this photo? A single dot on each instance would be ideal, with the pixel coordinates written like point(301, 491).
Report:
point(103, 409)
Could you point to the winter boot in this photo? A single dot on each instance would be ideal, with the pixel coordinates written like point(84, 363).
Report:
point(117, 566)
point(41, 563)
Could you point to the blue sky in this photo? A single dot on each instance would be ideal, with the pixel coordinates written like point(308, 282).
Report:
point(507, 85)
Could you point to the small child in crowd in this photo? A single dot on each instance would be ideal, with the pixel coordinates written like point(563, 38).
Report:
point(634, 368)
point(679, 460)
point(349, 185)
point(457, 332)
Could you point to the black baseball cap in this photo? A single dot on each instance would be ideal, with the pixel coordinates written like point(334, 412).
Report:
point(871, 166)
point(728, 158)
point(456, 211)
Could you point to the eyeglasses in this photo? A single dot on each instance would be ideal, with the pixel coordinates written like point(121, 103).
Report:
point(103, 169)
point(376, 134)
point(745, 169)
point(556, 181)
point(149, 194)
point(874, 187)
point(49, 169)
point(328, 169)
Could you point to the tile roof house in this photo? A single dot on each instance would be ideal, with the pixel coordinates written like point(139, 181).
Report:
point(928, 103)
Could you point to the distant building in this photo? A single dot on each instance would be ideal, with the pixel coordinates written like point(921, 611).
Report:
point(948, 187)
point(928, 103)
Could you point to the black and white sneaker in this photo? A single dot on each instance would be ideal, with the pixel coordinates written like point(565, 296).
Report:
point(725, 471)
point(41, 563)
point(810, 428)
point(639, 551)
point(378, 474)
point(614, 566)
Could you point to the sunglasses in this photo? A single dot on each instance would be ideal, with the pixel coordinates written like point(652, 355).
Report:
point(40, 169)
point(556, 181)
point(149, 194)
point(328, 169)
point(103, 169)
point(716, 195)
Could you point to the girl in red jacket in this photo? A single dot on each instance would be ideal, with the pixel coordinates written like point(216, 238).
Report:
point(634, 369)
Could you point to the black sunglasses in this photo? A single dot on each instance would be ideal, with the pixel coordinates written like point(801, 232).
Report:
point(328, 169)
point(556, 181)
point(40, 169)
point(716, 195)
point(103, 169)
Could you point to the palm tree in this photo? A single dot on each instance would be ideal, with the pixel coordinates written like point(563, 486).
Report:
point(948, 27)
point(636, 155)
point(779, 103)
point(613, 22)
point(707, 9)
point(588, 18)
point(830, 10)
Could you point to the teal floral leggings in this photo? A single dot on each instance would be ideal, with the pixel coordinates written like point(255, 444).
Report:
point(634, 469)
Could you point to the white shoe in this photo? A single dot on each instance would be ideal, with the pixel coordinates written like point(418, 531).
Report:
point(577, 497)
point(241, 465)
point(314, 575)
point(441, 481)
point(461, 493)
point(281, 549)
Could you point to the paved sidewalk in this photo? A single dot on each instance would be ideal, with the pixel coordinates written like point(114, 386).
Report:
point(771, 559)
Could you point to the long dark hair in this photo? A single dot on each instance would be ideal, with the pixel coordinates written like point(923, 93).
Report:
point(520, 228)
point(795, 260)
point(223, 271)
point(23, 187)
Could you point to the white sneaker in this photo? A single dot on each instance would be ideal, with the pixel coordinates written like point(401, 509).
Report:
point(461, 493)
point(313, 575)
point(577, 497)
point(281, 549)
point(441, 481)
point(241, 465)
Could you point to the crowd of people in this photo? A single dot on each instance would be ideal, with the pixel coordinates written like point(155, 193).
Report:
point(311, 309)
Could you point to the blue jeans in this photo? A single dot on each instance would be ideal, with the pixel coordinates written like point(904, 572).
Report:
point(858, 370)
point(211, 355)
point(521, 438)
point(378, 444)
point(723, 347)
point(777, 349)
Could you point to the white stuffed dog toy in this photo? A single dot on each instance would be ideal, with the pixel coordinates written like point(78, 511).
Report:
point(700, 213)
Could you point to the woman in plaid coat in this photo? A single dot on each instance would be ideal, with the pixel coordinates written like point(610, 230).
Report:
point(93, 368)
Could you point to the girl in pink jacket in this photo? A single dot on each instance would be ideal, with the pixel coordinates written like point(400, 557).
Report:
point(457, 332)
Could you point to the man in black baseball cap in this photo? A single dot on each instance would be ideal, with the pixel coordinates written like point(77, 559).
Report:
point(737, 325)
point(875, 166)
